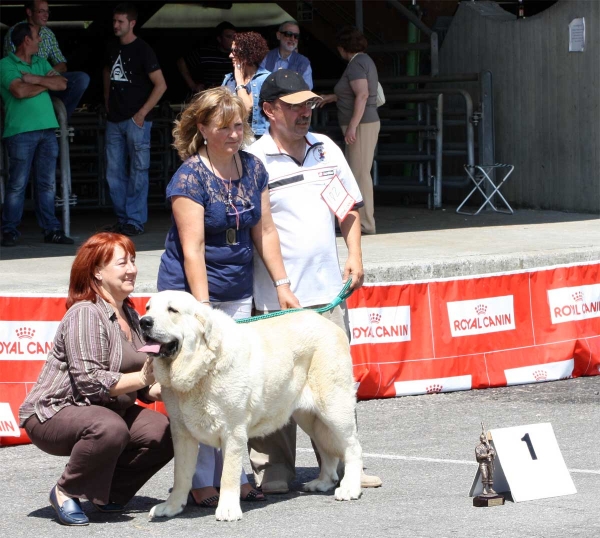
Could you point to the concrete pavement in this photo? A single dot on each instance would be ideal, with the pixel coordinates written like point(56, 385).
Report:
point(412, 243)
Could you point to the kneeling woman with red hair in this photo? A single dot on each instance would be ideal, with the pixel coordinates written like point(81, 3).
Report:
point(83, 404)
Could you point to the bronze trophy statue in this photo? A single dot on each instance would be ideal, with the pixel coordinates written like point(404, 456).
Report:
point(485, 455)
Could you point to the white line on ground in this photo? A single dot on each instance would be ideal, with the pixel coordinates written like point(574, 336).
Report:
point(437, 460)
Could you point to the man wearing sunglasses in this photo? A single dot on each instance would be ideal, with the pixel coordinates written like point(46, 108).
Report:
point(301, 165)
point(286, 55)
point(38, 13)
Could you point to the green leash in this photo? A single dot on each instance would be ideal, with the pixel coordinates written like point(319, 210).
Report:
point(342, 296)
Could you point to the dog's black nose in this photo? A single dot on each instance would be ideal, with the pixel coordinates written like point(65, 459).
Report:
point(146, 323)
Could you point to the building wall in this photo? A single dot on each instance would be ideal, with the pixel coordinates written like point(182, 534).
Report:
point(547, 99)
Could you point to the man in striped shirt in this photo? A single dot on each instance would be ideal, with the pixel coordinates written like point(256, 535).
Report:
point(206, 67)
point(38, 13)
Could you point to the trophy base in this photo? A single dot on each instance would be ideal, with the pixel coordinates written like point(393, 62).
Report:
point(483, 500)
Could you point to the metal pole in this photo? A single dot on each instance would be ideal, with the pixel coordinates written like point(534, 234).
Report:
point(2, 172)
point(435, 62)
point(358, 6)
point(420, 138)
point(65, 165)
point(486, 125)
point(439, 140)
point(421, 79)
point(408, 14)
point(428, 145)
point(470, 132)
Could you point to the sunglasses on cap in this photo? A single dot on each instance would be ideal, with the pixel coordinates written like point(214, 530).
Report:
point(290, 34)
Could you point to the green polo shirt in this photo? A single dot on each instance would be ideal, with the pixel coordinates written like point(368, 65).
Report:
point(31, 113)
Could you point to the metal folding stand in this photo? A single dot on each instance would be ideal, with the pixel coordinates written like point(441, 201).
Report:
point(480, 174)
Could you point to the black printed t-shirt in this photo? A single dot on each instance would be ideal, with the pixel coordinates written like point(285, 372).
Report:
point(130, 84)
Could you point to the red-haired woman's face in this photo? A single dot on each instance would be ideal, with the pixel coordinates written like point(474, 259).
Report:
point(117, 277)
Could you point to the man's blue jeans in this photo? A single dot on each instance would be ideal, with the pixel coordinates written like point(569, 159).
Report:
point(77, 83)
point(127, 163)
point(37, 149)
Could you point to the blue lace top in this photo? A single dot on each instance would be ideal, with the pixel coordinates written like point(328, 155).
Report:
point(228, 247)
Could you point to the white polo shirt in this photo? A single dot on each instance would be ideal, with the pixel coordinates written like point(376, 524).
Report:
point(305, 223)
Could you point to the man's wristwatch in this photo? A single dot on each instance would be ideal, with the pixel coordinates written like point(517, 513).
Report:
point(242, 86)
point(278, 283)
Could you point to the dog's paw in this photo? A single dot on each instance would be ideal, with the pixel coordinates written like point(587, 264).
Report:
point(228, 511)
point(346, 493)
point(319, 485)
point(165, 510)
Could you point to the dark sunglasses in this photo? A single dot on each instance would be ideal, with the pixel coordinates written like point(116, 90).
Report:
point(291, 34)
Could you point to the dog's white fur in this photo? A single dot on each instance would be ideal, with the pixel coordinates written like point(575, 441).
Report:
point(227, 382)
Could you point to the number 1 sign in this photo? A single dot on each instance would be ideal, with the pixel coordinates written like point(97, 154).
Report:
point(528, 463)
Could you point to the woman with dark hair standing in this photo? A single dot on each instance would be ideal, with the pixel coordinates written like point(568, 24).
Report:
point(247, 51)
point(83, 404)
point(355, 95)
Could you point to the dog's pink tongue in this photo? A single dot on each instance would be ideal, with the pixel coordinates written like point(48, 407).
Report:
point(150, 348)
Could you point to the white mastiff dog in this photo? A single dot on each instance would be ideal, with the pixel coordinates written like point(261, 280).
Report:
point(224, 382)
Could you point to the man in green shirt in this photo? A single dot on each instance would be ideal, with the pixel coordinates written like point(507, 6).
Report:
point(38, 13)
point(29, 135)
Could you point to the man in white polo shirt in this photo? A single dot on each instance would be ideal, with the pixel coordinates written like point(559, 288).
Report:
point(301, 165)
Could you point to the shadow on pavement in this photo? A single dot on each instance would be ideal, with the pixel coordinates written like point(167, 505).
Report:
point(390, 220)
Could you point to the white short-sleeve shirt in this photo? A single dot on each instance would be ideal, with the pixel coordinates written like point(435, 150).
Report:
point(305, 223)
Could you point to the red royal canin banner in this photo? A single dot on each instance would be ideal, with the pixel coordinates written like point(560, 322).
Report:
point(476, 332)
point(407, 338)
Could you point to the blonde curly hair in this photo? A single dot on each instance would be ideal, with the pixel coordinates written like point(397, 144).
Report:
point(218, 105)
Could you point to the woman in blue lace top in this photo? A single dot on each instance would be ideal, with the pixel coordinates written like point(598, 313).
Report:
point(221, 212)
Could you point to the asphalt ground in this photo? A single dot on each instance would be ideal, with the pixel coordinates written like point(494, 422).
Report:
point(421, 446)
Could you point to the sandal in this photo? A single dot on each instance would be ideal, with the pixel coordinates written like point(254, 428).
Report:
point(209, 502)
point(253, 496)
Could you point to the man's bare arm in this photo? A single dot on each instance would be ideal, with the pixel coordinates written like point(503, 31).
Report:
point(31, 85)
point(353, 268)
point(160, 86)
point(60, 67)
point(51, 80)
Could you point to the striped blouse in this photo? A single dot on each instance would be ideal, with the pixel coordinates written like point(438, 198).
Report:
point(84, 362)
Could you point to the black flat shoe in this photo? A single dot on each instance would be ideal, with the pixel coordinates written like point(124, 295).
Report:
point(253, 496)
point(210, 502)
point(70, 513)
point(110, 508)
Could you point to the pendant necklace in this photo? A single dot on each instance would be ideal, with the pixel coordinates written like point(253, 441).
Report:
point(229, 202)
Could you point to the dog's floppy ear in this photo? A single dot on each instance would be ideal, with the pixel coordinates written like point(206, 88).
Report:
point(212, 332)
point(198, 352)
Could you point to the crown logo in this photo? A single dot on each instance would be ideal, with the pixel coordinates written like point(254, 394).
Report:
point(433, 389)
point(540, 375)
point(578, 296)
point(481, 309)
point(374, 317)
point(25, 332)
